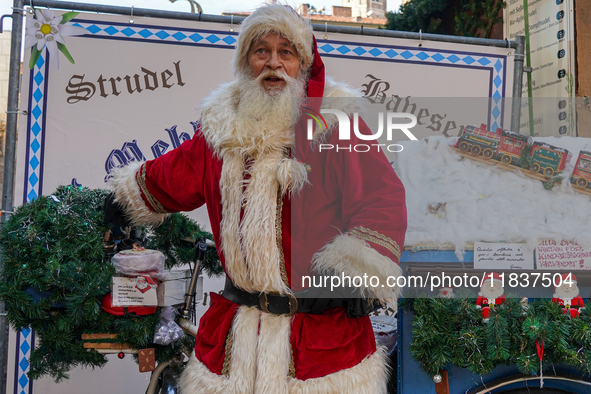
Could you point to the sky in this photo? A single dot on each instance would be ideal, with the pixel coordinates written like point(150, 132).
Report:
point(215, 7)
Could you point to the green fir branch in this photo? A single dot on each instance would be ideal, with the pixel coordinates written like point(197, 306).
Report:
point(55, 244)
point(453, 332)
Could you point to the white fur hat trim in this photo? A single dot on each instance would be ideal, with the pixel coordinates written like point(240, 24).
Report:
point(277, 18)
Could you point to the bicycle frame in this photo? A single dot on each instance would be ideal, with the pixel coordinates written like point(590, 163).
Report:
point(187, 312)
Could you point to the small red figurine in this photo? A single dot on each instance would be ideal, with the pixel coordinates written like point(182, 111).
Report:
point(491, 294)
point(567, 295)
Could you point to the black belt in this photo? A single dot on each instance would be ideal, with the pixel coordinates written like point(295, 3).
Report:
point(282, 304)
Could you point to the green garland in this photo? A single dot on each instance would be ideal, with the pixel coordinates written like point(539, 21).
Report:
point(451, 331)
point(55, 245)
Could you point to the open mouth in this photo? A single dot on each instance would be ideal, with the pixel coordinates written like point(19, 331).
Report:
point(273, 80)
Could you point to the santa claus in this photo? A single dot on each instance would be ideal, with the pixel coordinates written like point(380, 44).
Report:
point(446, 292)
point(270, 197)
point(566, 293)
point(144, 283)
point(491, 294)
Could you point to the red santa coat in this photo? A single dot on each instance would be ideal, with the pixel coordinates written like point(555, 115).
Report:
point(346, 222)
point(489, 302)
point(570, 305)
point(574, 303)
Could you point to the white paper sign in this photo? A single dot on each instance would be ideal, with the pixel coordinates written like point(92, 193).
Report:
point(134, 291)
point(563, 255)
point(502, 256)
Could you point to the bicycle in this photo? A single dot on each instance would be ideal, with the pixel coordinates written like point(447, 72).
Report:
point(164, 379)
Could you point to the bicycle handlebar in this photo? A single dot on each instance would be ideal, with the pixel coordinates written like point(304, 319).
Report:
point(201, 246)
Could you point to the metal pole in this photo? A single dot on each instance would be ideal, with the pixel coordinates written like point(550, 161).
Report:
point(9, 160)
point(517, 83)
point(528, 65)
point(140, 12)
point(137, 12)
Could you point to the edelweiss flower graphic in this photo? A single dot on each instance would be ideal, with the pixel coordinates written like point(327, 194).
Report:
point(48, 29)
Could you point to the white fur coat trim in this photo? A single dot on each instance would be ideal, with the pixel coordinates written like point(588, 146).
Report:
point(128, 194)
point(368, 377)
point(292, 176)
point(352, 256)
point(340, 96)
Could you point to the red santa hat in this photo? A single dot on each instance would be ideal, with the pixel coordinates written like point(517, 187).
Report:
point(567, 278)
point(148, 280)
point(274, 18)
point(487, 278)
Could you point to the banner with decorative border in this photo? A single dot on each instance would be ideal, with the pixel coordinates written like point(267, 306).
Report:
point(118, 91)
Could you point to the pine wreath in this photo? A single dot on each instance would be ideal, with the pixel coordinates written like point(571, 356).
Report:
point(451, 331)
point(55, 275)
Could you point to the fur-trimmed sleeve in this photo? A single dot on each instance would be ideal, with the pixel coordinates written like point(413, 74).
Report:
point(174, 182)
point(374, 217)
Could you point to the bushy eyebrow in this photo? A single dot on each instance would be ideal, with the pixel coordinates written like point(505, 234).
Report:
point(283, 44)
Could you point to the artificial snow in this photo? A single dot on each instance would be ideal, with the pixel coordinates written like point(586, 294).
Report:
point(488, 203)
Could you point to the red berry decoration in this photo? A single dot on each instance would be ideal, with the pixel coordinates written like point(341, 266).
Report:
point(121, 355)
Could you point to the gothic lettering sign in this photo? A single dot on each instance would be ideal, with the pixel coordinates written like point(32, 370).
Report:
point(134, 89)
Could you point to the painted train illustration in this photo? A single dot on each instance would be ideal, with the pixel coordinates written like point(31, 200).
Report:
point(581, 175)
point(516, 149)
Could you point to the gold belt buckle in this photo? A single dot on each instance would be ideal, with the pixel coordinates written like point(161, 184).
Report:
point(292, 302)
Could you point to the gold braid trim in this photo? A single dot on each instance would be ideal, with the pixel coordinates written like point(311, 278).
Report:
point(377, 238)
point(228, 353)
point(140, 178)
point(279, 237)
point(292, 371)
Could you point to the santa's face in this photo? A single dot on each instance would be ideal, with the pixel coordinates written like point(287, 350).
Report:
point(273, 57)
point(445, 292)
point(494, 290)
point(142, 283)
point(567, 290)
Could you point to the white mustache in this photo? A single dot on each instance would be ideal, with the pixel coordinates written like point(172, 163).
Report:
point(274, 74)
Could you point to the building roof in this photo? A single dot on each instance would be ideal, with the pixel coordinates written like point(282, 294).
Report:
point(333, 20)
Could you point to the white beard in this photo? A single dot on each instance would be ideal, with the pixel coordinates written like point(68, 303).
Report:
point(267, 115)
point(492, 292)
point(566, 292)
point(260, 135)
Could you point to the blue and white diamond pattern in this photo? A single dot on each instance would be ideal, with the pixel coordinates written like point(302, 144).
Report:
point(388, 53)
point(497, 102)
point(332, 48)
point(24, 344)
point(164, 34)
point(493, 63)
point(36, 130)
point(35, 135)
